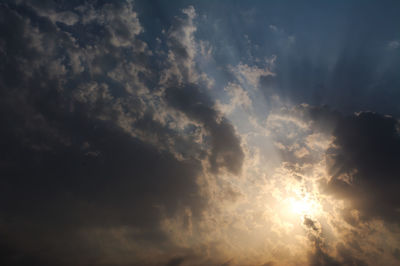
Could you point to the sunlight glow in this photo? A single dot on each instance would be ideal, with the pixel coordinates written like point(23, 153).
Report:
point(304, 206)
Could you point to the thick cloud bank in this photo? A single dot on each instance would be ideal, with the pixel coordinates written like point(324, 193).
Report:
point(84, 145)
point(365, 158)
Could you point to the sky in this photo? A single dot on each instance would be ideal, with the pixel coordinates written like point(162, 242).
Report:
point(199, 133)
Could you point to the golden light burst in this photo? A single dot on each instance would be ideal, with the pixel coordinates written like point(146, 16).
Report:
point(304, 204)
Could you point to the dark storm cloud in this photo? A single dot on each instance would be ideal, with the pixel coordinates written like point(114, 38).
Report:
point(193, 101)
point(363, 159)
point(67, 165)
point(364, 164)
point(320, 256)
point(344, 257)
point(226, 150)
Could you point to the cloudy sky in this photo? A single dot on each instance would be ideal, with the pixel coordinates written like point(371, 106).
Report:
point(199, 133)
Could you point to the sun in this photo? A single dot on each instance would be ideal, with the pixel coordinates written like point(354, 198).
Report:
point(305, 205)
point(300, 206)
